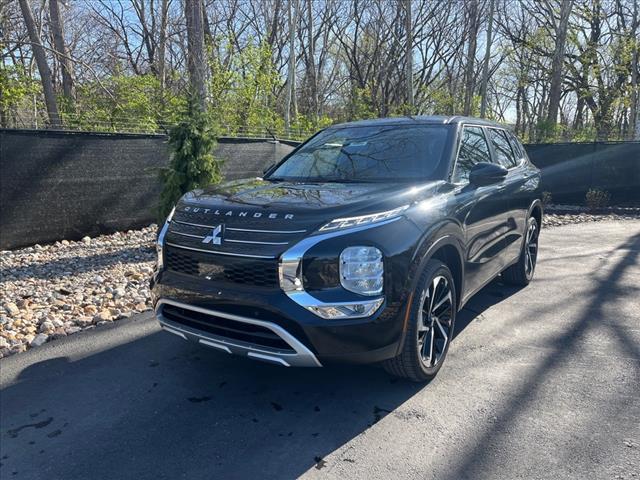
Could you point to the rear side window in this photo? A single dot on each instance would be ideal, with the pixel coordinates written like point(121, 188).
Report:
point(502, 148)
point(473, 149)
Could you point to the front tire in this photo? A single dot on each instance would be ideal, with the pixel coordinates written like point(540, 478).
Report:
point(430, 327)
point(521, 273)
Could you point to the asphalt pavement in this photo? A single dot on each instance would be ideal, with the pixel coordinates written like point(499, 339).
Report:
point(542, 382)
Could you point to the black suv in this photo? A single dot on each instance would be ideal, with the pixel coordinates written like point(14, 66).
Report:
point(359, 246)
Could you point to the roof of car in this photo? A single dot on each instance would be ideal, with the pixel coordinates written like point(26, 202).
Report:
point(418, 120)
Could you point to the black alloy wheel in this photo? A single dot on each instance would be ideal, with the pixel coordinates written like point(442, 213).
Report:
point(430, 327)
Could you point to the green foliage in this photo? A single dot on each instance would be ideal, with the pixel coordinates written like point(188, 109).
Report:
point(585, 134)
point(361, 105)
point(548, 132)
point(16, 87)
point(243, 89)
point(192, 163)
point(302, 126)
point(124, 103)
point(597, 199)
point(441, 100)
point(243, 97)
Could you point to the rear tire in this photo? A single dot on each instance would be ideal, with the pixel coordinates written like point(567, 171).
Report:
point(432, 316)
point(521, 273)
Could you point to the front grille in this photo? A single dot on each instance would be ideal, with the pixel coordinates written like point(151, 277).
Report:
point(226, 328)
point(243, 271)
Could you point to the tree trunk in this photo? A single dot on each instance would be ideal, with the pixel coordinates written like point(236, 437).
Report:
point(195, 51)
point(162, 45)
point(555, 90)
point(409, 57)
point(311, 68)
point(41, 62)
point(518, 110)
point(485, 66)
point(603, 127)
point(290, 109)
point(471, 55)
point(634, 114)
point(57, 28)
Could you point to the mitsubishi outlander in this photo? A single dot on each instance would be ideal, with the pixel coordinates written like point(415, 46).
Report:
point(361, 245)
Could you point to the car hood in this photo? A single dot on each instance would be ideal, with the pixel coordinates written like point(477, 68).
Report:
point(307, 198)
point(259, 218)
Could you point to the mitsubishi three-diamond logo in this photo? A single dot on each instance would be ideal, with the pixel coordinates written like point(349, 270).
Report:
point(216, 236)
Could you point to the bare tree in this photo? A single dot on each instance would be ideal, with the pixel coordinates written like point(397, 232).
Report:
point(311, 68)
point(57, 30)
point(472, 38)
point(634, 113)
point(162, 44)
point(485, 66)
point(343, 59)
point(291, 106)
point(555, 89)
point(409, 55)
point(195, 50)
point(41, 61)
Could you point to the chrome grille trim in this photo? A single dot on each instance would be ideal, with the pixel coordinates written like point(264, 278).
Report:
point(218, 252)
point(230, 240)
point(253, 242)
point(251, 230)
point(194, 224)
point(264, 231)
point(187, 234)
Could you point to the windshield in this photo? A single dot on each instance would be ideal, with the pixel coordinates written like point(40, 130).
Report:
point(367, 154)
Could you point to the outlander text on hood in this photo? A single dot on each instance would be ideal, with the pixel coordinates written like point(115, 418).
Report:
point(359, 246)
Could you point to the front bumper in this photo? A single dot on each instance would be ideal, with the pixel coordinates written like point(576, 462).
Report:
point(296, 356)
point(310, 340)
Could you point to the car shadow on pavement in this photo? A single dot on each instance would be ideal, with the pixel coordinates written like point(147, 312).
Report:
point(593, 320)
point(158, 407)
point(493, 293)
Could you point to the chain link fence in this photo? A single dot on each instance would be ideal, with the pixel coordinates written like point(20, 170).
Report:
point(146, 124)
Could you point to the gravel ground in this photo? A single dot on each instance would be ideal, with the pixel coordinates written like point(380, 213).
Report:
point(557, 215)
point(56, 290)
point(52, 291)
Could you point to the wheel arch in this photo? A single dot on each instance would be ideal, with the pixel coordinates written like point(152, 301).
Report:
point(444, 244)
point(448, 254)
point(536, 211)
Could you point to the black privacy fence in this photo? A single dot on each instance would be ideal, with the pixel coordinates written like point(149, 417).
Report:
point(64, 185)
point(570, 170)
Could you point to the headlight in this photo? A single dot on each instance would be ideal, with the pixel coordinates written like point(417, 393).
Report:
point(362, 270)
point(347, 222)
point(160, 241)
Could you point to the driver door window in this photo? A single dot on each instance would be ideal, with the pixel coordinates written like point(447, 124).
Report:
point(473, 149)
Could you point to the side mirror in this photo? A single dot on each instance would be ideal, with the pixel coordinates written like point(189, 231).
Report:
point(485, 173)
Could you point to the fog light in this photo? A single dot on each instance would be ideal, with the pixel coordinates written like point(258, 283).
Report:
point(344, 310)
point(362, 270)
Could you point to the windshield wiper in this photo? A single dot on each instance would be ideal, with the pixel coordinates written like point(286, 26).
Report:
point(326, 180)
point(339, 180)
